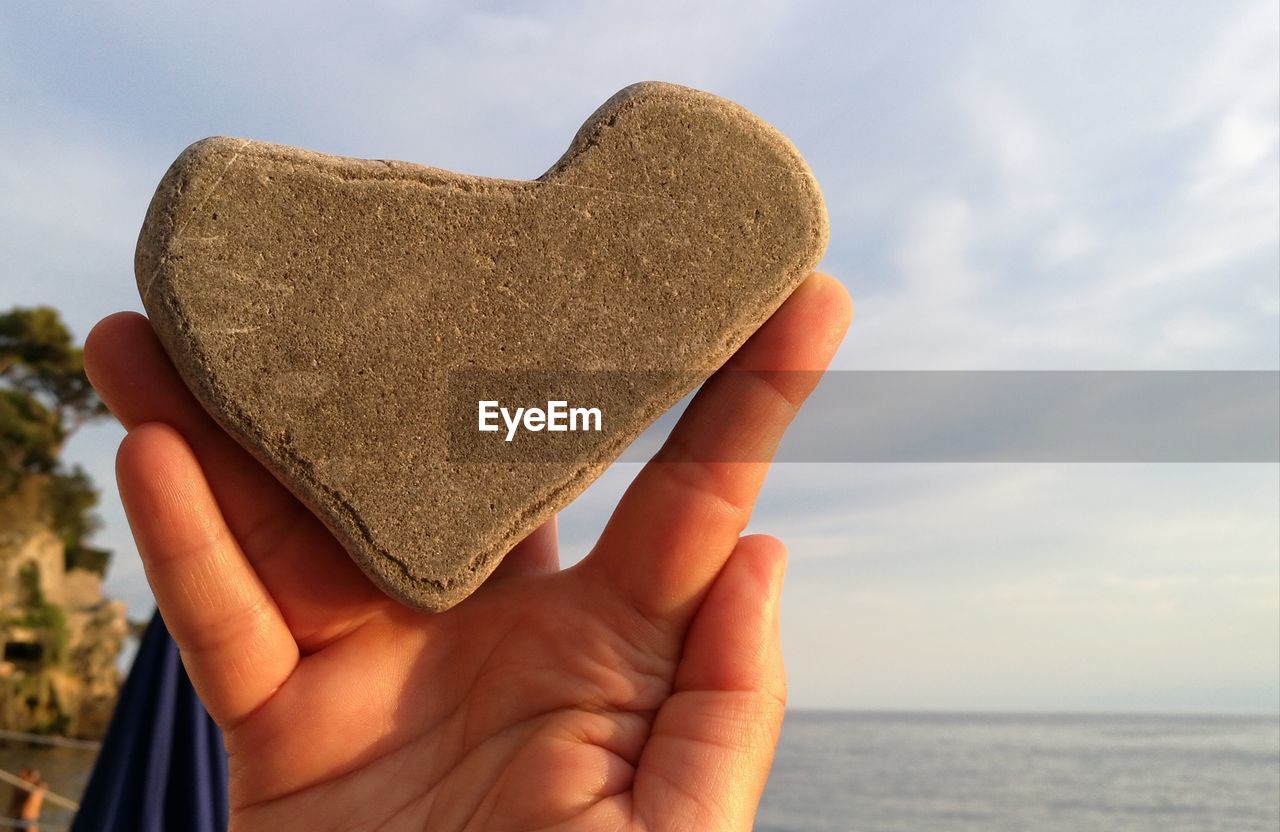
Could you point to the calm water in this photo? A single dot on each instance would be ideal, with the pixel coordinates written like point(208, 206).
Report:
point(840, 772)
point(911, 772)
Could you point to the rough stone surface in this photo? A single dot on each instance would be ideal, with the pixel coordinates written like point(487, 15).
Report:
point(316, 306)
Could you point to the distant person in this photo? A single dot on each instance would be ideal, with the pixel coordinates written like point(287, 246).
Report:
point(18, 795)
point(641, 688)
point(35, 801)
point(26, 802)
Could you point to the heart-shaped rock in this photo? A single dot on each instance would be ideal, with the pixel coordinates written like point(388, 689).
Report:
point(319, 306)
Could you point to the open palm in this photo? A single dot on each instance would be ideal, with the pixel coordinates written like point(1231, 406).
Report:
point(641, 688)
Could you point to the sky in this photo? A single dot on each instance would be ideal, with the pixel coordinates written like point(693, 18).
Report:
point(1011, 185)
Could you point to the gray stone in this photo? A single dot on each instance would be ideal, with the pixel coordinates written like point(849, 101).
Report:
point(319, 306)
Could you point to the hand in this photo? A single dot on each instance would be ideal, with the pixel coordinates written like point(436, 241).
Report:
point(642, 688)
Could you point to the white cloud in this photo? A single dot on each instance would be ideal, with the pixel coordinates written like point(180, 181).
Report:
point(1069, 240)
point(1119, 202)
point(1014, 144)
point(934, 253)
point(1237, 70)
point(1105, 586)
point(69, 206)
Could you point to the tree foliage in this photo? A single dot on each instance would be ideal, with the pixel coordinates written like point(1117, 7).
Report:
point(44, 398)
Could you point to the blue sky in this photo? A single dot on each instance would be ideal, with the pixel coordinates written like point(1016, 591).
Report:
point(1020, 185)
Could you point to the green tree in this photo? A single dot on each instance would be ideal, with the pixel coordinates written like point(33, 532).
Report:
point(44, 398)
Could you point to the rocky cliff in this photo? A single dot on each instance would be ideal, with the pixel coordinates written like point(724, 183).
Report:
point(60, 636)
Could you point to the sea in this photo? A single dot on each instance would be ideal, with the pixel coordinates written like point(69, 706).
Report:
point(913, 772)
point(887, 772)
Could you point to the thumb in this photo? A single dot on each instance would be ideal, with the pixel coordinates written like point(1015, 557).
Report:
point(712, 742)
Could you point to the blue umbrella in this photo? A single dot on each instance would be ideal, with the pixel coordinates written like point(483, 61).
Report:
point(163, 765)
